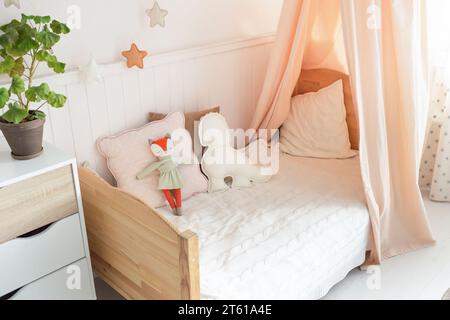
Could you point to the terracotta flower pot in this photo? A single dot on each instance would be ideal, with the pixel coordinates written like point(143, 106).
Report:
point(24, 139)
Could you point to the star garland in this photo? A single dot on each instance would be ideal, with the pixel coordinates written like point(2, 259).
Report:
point(157, 15)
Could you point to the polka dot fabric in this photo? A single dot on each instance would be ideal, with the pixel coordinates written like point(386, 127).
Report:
point(435, 169)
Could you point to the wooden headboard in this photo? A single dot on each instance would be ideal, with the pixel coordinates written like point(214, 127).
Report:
point(314, 80)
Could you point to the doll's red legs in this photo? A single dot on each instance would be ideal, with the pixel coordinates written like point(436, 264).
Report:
point(169, 198)
point(177, 193)
point(174, 205)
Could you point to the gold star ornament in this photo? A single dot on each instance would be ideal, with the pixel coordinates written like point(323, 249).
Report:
point(135, 57)
point(157, 15)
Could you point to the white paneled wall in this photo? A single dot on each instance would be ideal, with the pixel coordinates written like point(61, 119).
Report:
point(228, 74)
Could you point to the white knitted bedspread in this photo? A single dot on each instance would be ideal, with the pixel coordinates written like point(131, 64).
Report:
point(291, 238)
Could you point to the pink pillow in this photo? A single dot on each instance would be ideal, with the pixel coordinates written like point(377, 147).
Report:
point(129, 152)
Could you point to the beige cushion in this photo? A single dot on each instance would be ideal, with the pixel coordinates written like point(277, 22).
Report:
point(129, 152)
point(191, 125)
point(191, 118)
point(316, 125)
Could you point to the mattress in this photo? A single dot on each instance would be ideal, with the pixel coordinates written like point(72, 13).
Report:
point(294, 237)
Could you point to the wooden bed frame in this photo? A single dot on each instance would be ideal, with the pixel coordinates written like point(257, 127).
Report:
point(136, 250)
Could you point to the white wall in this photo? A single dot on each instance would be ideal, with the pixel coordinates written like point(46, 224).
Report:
point(196, 62)
point(230, 75)
point(109, 26)
point(439, 26)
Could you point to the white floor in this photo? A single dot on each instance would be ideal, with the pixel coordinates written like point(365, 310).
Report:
point(419, 275)
point(424, 274)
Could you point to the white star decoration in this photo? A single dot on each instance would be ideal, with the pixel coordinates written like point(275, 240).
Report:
point(91, 72)
point(157, 15)
point(9, 3)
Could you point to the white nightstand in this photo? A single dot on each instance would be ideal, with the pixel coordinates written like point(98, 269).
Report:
point(44, 252)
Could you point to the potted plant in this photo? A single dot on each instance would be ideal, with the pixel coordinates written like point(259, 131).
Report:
point(24, 45)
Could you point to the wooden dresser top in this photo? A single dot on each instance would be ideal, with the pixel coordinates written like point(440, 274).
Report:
point(12, 171)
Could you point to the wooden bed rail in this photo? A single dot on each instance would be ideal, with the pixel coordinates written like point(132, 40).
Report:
point(135, 249)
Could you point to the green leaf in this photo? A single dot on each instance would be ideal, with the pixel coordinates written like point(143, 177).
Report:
point(59, 28)
point(58, 67)
point(36, 19)
point(43, 55)
point(26, 18)
point(3, 53)
point(52, 62)
point(7, 65)
point(8, 39)
point(4, 97)
point(17, 85)
point(37, 115)
point(35, 36)
point(16, 114)
point(42, 19)
point(23, 45)
point(11, 26)
point(47, 38)
point(37, 94)
point(56, 100)
point(19, 67)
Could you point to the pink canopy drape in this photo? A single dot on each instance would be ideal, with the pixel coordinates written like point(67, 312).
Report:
point(308, 37)
point(385, 45)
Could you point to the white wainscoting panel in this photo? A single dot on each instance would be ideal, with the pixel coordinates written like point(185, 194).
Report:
point(229, 74)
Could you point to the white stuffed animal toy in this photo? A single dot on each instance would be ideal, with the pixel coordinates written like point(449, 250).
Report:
point(221, 160)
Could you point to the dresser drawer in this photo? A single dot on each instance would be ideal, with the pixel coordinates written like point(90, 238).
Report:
point(36, 202)
point(59, 285)
point(24, 260)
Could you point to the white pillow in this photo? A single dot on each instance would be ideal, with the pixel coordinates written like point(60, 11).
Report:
point(316, 126)
point(221, 160)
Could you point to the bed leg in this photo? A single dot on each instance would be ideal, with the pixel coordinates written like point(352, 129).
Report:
point(189, 266)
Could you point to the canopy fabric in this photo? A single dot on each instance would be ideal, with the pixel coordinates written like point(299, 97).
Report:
point(385, 45)
point(308, 38)
point(388, 67)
